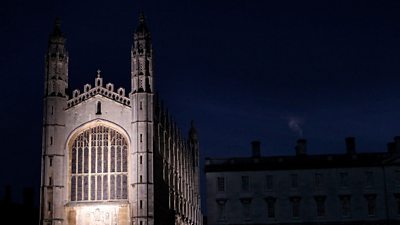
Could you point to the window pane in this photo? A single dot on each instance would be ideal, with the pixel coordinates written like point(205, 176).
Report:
point(93, 187)
point(119, 159)
point(118, 186)
point(124, 159)
point(99, 154)
point(73, 161)
point(85, 188)
point(112, 188)
point(93, 160)
point(86, 160)
point(73, 188)
point(80, 156)
point(124, 187)
point(99, 188)
point(79, 198)
point(105, 187)
point(105, 160)
point(112, 158)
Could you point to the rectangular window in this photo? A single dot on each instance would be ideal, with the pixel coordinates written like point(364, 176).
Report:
point(245, 183)
point(397, 177)
point(318, 179)
point(369, 178)
point(220, 184)
point(397, 197)
point(371, 204)
point(269, 182)
point(221, 209)
point(271, 207)
point(51, 161)
point(343, 179)
point(320, 203)
point(294, 180)
point(345, 201)
point(295, 206)
point(246, 205)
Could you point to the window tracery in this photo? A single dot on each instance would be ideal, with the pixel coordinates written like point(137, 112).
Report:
point(99, 166)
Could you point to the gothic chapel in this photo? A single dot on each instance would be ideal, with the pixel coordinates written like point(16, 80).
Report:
point(113, 158)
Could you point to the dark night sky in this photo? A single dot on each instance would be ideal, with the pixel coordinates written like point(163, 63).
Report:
point(242, 69)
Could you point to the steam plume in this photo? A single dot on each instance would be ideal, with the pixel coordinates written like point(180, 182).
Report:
point(295, 124)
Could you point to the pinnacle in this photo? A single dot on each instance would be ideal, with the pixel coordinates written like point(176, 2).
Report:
point(57, 28)
point(141, 17)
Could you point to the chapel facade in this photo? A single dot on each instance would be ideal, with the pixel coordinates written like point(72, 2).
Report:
point(111, 157)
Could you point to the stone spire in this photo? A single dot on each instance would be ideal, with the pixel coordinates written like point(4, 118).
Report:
point(142, 59)
point(57, 35)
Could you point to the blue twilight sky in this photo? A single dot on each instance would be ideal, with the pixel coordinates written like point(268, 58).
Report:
point(242, 69)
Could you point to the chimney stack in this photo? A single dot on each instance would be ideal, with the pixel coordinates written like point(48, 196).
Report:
point(256, 149)
point(8, 195)
point(301, 147)
point(397, 144)
point(350, 145)
point(28, 197)
point(391, 146)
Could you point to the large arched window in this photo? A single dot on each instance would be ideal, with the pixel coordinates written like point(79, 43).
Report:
point(99, 166)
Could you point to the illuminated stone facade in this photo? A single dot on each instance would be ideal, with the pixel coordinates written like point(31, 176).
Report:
point(114, 159)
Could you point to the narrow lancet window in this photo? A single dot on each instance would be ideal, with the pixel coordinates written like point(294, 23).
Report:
point(98, 108)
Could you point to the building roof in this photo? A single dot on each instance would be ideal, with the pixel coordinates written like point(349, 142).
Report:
point(299, 162)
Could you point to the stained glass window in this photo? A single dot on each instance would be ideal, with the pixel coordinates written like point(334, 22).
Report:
point(99, 165)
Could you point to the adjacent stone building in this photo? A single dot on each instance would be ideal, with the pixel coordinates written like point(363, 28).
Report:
point(349, 188)
point(112, 157)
